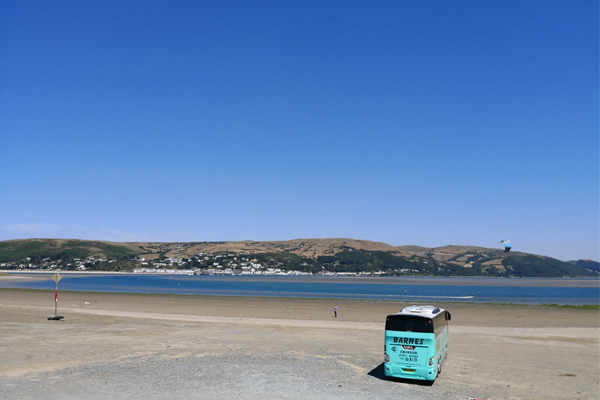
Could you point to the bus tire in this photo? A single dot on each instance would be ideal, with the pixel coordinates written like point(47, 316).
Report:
point(439, 368)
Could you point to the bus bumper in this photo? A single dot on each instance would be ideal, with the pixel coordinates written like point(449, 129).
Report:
point(404, 372)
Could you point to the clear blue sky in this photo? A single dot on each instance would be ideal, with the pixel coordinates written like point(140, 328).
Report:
point(407, 122)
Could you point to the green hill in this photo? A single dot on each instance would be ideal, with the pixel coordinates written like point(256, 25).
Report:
point(57, 249)
point(307, 255)
point(589, 264)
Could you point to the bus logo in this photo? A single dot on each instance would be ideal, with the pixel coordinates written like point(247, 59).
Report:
point(401, 340)
point(408, 347)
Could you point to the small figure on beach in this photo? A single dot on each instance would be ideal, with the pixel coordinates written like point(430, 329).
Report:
point(335, 311)
point(507, 245)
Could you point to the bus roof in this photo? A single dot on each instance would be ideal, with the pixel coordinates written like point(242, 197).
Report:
point(421, 311)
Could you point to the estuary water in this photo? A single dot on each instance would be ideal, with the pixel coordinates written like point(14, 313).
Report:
point(477, 290)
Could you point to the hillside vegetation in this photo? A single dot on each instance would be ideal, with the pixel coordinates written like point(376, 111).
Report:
point(304, 255)
point(589, 264)
point(55, 249)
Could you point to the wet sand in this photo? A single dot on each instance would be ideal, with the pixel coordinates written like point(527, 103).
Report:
point(282, 346)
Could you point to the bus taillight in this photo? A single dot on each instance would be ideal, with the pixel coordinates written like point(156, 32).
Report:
point(431, 361)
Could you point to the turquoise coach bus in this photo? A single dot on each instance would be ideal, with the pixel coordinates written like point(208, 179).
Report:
point(416, 342)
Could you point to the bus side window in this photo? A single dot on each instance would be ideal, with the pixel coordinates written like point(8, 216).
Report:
point(448, 316)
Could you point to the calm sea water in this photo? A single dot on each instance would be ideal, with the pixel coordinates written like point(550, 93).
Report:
point(545, 291)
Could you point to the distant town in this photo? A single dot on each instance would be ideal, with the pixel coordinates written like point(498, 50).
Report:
point(329, 257)
point(201, 264)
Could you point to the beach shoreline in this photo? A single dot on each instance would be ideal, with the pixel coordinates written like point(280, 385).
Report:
point(245, 298)
point(384, 280)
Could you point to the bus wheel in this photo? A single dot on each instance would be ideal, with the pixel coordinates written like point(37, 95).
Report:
point(439, 368)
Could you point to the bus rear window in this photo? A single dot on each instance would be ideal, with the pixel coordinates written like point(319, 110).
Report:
point(405, 323)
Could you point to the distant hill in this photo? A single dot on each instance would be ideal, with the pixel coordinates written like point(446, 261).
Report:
point(308, 255)
point(589, 264)
point(55, 249)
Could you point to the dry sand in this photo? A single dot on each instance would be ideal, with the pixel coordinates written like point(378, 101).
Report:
point(167, 346)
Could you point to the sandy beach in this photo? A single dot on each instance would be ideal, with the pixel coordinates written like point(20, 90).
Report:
point(137, 346)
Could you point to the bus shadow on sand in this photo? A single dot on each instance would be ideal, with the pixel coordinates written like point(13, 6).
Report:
point(379, 373)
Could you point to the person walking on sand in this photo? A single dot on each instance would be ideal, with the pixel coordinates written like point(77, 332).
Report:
point(335, 311)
